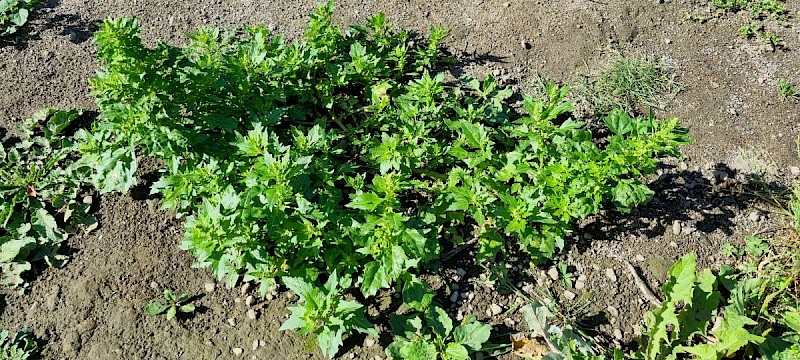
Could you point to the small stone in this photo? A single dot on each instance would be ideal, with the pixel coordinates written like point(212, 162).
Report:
point(255, 345)
point(579, 285)
point(676, 227)
point(237, 351)
point(612, 311)
point(526, 45)
point(251, 314)
point(262, 343)
point(506, 4)
point(496, 309)
point(454, 287)
point(569, 295)
point(153, 285)
point(269, 296)
point(618, 334)
point(461, 272)
point(721, 175)
point(249, 300)
point(209, 287)
point(794, 170)
point(754, 216)
point(231, 321)
point(553, 273)
point(245, 288)
point(639, 257)
point(370, 342)
point(377, 358)
point(454, 296)
point(237, 300)
point(673, 244)
point(611, 275)
point(668, 41)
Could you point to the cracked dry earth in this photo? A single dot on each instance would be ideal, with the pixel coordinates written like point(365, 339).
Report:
point(91, 308)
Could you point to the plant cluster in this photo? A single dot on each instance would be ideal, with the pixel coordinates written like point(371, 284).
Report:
point(632, 84)
point(341, 159)
point(14, 14)
point(41, 202)
point(759, 10)
point(172, 305)
point(788, 89)
point(22, 346)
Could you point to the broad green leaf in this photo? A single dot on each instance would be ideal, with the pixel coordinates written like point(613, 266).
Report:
point(155, 308)
point(329, 342)
point(365, 201)
point(438, 320)
point(472, 335)
point(456, 352)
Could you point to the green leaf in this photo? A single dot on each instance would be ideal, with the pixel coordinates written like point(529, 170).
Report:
point(188, 308)
point(298, 286)
point(456, 352)
point(171, 312)
point(365, 201)
point(155, 308)
point(329, 342)
point(472, 335)
point(439, 322)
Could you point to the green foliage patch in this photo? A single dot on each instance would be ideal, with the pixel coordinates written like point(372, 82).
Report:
point(22, 346)
point(344, 156)
point(14, 14)
point(40, 195)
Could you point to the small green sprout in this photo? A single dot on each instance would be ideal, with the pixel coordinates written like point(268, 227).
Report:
point(172, 306)
point(789, 90)
point(20, 347)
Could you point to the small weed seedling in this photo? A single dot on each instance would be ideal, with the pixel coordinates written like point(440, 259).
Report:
point(759, 11)
point(13, 14)
point(20, 347)
point(789, 90)
point(171, 307)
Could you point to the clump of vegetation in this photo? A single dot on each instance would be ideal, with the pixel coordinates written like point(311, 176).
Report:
point(40, 195)
point(14, 14)
point(22, 346)
point(632, 84)
point(342, 156)
point(759, 10)
point(172, 306)
point(788, 89)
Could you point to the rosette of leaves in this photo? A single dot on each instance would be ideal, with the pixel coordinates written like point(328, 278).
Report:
point(173, 305)
point(323, 312)
point(14, 14)
point(40, 195)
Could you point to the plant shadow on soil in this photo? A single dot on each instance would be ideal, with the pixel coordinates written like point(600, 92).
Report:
point(42, 18)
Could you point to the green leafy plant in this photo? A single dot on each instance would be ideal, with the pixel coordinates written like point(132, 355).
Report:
point(14, 14)
point(343, 153)
point(788, 89)
point(628, 83)
point(21, 346)
point(750, 30)
point(434, 337)
point(41, 202)
point(696, 319)
point(172, 306)
point(322, 311)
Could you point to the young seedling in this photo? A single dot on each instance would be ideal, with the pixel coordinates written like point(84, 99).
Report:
point(789, 90)
point(172, 306)
point(13, 14)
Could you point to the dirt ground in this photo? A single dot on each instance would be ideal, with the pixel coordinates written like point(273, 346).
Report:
point(91, 308)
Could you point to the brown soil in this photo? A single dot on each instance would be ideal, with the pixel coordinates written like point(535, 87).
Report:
point(91, 308)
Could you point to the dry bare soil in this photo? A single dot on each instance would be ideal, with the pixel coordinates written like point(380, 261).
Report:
point(92, 307)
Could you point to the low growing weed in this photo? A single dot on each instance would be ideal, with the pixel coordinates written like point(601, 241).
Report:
point(632, 84)
point(40, 195)
point(788, 89)
point(14, 14)
point(344, 153)
point(759, 10)
point(171, 306)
